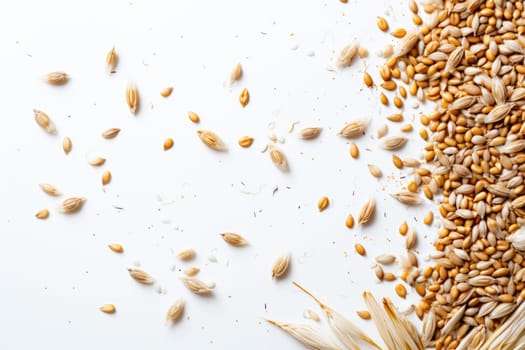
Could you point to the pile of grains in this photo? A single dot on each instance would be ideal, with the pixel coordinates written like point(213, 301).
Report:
point(469, 60)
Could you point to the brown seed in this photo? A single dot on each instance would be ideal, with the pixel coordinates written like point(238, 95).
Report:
point(403, 228)
point(407, 197)
point(236, 73)
point(111, 61)
point(389, 277)
point(234, 239)
point(191, 271)
point(57, 78)
point(45, 122)
point(175, 311)
point(168, 143)
point(362, 51)
point(353, 129)
point(194, 117)
point(245, 141)
point(360, 249)
point(382, 24)
point(346, 55)
point(349, 221)
point(374, 170)
point(278, 158)
point(406, 128)
point(398, 117)
point(393, 142)
point(166, 91)
point(72, 205)
point(116, 247)
point(398, 163)
point(244, 97)
point(108, 308)
point(141, 276)
point(411, 240)
point(412, 187)
point(210, 139)
point(281, 265)
point(50, 189)
point(367, 212)
point(42, 214)
point(132, 98)
point(367, 79)
point(427, 220)
point(380, 274)
point(186, 254)
point(97, 161)
point(399, 32)
point(106, 177)
point(66, 145)
point(323, 203)
point(354, 150)
point(383, 99)
point(398, 102)
point(364, 314)
point(310, 133)
point(110, 133)
point(401, 290)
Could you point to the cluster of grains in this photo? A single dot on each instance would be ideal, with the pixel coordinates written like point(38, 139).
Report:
point(469, 60)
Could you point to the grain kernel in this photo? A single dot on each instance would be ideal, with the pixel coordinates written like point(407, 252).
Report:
point(403, 228)
point(168, 143)
point(108, 308)
point(116, 247)
point(429, 218)
point(349, 221)
point(194, 117)
point(244, 97)
point(401, 290)
point(382, 24)
point(398, 163)
point(383, 99)
point(367, 79)
point(360, 249)
point(323, 203)
point(364, 314)
point(354, 150)
point(245, 141)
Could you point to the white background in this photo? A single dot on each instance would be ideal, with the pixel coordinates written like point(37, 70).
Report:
point(57, 272)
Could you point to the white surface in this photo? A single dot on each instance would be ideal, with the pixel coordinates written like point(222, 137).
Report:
point(57, 272)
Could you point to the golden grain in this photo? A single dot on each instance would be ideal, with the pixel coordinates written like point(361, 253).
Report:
point(349, 221)
point(42, 214)
point(212, 140)
point(168, 143)
point(132, 98)
point(110, 133)
point(111, 61)
point(57, 78)
point(194, 117)
point(116, 247)
point(43, 120)
point(382, 24)
point(108, 308)
point(244, 97)
point(245, 141)
point(354, 150)
point(323, 203)
point(72, 205)
point(360, 249)
point(234, 239)
point(67, 145)
point(106, 177)
point(166, 91)
point(236, 73)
